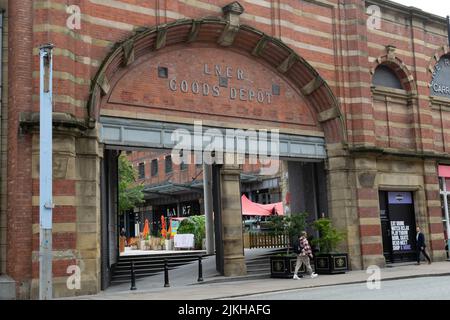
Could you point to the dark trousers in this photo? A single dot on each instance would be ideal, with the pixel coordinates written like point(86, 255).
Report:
point(419, 250)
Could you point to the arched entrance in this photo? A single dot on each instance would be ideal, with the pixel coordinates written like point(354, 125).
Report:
point(227, 75)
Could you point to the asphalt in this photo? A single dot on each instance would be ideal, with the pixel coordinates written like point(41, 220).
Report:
point(183, 287)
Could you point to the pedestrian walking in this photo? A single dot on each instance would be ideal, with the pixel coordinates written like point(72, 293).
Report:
point(304, 253)
point(421, 246)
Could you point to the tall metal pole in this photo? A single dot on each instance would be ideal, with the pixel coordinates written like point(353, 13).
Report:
point(45, 173)
point(208, 203)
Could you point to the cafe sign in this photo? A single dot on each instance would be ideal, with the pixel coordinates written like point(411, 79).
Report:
point(440, 83)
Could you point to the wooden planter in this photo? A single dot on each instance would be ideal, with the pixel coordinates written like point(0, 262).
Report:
point(331, 263)
point(284, 266)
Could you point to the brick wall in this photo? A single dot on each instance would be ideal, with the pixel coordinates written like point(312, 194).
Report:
point(3, 143)
point(19, 186)
point(330, 35)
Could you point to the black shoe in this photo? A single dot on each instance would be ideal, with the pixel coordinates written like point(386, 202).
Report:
point(418, 264)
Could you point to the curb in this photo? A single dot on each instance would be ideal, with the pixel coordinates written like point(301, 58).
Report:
point(336, 284)
point(223, 280)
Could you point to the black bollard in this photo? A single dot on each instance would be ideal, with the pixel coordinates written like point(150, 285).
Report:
point(133, 277)
point(166, 274)
point(200, 269)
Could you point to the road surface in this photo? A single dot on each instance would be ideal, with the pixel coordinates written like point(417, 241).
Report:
point(434, 288)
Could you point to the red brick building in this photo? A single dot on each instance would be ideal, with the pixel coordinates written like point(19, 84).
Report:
point(365, 95)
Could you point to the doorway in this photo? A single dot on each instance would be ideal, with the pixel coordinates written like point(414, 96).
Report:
point(398, 225)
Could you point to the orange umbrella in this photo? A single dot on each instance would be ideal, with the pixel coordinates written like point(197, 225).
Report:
point(163, 227)
point(146, 230)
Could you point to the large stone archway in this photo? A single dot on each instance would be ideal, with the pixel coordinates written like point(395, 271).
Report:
point(230, 36)
point(151, 75)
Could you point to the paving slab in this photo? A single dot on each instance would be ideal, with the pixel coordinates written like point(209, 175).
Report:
point(233, 289)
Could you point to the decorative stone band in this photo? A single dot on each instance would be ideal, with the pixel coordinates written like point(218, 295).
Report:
point(30, 121)
point(246, 39)
point(329, 114)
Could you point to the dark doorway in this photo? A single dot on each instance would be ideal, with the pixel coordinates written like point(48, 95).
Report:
point(398, 225)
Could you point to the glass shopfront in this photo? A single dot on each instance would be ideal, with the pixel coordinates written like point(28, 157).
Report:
point(444, 186)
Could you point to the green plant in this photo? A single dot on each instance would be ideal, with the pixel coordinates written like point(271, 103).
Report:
point(329, 237)
point(130, 193)
point(196, 226)
point(291, 226)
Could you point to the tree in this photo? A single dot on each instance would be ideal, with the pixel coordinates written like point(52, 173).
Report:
point(290, 226)
point(329, 237)
point(130, 194)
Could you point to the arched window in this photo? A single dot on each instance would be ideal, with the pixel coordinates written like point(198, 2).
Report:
point(385, 77)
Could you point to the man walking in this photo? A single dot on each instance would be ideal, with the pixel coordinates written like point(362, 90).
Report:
point(421, 246)
point(304, 253)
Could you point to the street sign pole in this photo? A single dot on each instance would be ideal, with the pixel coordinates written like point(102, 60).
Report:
point(45, 173)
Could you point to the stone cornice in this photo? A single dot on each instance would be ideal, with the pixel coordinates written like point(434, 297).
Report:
point(410, 11)
point(385, 152)
point(29, 121)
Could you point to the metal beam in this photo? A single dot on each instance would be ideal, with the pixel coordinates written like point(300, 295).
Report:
point(127, 133)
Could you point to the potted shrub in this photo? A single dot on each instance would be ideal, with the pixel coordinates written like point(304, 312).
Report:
point(194, 225)
point(328, 260)
point(283, 265)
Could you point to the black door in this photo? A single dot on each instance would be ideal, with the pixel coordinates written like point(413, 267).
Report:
point(398, 226)
point(385, 227)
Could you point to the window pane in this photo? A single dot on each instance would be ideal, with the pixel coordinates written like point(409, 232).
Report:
point(168, 164)
point(154, 167)
point(385, 77)
point(141, 170)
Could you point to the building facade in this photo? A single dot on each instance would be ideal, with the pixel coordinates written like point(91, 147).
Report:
point(361, 87)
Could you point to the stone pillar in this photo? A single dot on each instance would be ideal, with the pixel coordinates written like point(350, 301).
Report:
point(88, 212)
point(341, 202)
point(368, 211)
point(231, 211)
point(208, 208)
point(284, 187)
point(64, 231)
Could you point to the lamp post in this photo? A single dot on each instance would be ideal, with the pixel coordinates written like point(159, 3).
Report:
point(45, 173)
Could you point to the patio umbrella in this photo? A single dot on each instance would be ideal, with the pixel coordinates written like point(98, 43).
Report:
point(163, 227)
point(146, 230)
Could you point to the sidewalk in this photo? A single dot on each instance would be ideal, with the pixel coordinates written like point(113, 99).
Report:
point(231, 289)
